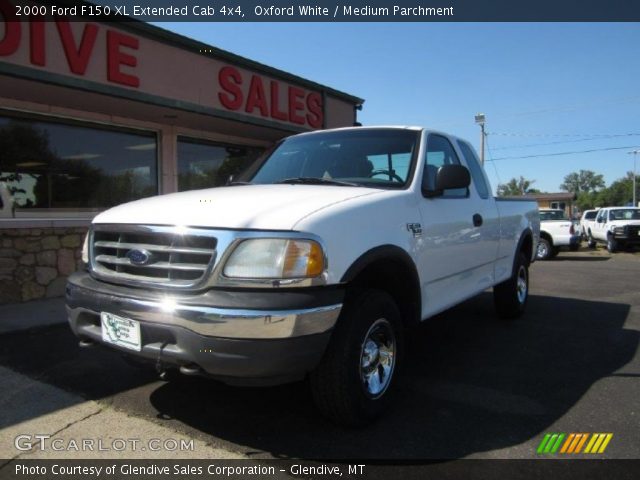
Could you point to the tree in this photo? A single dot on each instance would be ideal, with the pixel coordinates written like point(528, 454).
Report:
point(582, 181)
point(515, 187)
point(619, 193)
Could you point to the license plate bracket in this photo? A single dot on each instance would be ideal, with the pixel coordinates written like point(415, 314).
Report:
point(121, 331)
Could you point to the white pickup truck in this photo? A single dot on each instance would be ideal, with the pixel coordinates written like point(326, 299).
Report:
point(617, 227)
point(312, 265)
point(556, 231)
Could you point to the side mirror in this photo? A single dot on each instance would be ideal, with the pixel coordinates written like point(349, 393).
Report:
point(449, 177)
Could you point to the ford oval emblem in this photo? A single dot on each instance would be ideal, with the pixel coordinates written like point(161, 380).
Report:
point(139, 256)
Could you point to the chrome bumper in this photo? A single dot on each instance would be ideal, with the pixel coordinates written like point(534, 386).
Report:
point(88, 296)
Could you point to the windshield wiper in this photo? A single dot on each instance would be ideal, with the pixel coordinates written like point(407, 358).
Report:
point(231, 184)
point(317, 181)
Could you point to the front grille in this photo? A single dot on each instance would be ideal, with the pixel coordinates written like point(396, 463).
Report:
point(152, 255)
point(632, 230)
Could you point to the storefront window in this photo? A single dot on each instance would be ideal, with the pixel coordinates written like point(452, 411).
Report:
point(69, 166)
point(205, 165)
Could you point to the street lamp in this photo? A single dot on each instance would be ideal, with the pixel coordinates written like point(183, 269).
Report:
point(635, 154)
point(480, 119)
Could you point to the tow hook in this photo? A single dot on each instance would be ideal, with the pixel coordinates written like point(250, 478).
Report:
point(86, 343)
point(159, 367)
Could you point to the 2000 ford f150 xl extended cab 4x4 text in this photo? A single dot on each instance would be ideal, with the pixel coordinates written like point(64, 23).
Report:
point(313, 265)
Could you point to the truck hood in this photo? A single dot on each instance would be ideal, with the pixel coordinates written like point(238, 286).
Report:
point(266, 207)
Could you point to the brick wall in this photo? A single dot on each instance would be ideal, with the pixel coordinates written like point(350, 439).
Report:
point(35, 262)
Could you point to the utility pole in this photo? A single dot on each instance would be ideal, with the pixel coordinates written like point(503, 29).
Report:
point(635, 154)
point(480, 119)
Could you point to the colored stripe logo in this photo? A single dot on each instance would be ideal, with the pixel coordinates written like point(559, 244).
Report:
point(573, 443)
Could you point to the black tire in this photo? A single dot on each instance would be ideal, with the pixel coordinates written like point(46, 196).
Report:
point(510, 297)
point(337, 384)
point(591, 243)
point(544, 251)
point(612, 244)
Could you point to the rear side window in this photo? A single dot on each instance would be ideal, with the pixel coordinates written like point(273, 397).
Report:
point(475, 169)
point(590, 215)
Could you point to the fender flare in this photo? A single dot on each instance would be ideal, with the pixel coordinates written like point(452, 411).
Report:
point(396, 254)
point(526, 233)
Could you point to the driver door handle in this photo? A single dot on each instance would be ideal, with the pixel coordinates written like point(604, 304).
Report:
point(477, 220)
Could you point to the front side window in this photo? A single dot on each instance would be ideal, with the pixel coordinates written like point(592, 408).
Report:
point(379, 158)
point(440, 152)
point(71, 166)
point(206, 165)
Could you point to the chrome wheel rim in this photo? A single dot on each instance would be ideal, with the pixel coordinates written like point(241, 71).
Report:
point(542, 250)
point(521, 284)
point(377, 358)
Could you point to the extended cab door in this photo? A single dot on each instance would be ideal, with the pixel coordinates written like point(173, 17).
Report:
point(599, 228)
point(460, 235)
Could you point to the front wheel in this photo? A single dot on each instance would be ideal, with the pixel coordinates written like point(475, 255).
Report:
point(356, 378)
point(612, 244)
point(510, 297)
point(591, 242)
point(544, 251)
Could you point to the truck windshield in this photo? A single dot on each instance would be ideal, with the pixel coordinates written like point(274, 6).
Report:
point(625, 214)
point(379, 158)
point(552, 215)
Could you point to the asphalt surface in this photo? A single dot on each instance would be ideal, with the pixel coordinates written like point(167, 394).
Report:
point(473, 386)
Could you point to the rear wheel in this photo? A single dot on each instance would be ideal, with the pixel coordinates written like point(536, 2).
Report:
point(356, 378)
point(510, 297)
point(544, 251)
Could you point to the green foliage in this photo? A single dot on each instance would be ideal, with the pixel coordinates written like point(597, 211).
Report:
point(583, 181)
point(516, 187)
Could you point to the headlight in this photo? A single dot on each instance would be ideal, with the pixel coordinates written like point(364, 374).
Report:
point(85, 249)
point(275, 258)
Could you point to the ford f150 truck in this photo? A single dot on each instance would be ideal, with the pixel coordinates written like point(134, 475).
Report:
point(312, 264)
point(556, 231)
point(617, 227)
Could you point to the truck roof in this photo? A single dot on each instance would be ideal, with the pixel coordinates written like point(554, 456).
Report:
point(390, 127)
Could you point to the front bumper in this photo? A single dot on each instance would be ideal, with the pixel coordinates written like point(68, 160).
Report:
point(275, 335)
point(628, 238)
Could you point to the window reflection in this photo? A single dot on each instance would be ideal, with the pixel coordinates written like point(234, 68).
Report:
point(205, 165)
point(51, 165)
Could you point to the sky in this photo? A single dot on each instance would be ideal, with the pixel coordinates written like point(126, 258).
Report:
point(545, 88)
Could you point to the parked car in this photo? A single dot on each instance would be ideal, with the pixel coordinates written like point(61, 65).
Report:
point(617, 227)
point(311, 265)
point(556, 231)
point(586, 222)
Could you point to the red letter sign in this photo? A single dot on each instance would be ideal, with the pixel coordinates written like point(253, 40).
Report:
point(230, 81)
point(11, 41)
point(116, 57)
point(256, 97)
point(295, 105)
point(78, 58)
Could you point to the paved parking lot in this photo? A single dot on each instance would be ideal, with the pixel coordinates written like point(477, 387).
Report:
point(474, 386)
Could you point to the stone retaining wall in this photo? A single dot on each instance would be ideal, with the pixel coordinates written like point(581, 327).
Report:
point(35, 262)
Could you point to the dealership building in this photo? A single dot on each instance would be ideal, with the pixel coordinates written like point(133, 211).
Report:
point(96, 114)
